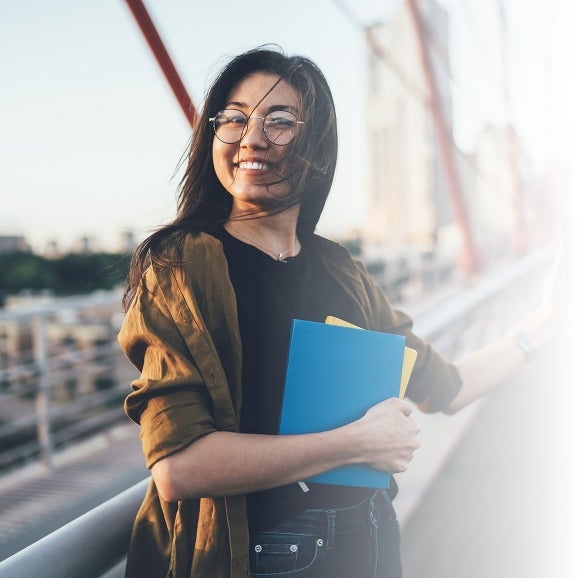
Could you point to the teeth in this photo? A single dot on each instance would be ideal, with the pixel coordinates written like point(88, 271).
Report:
point(252, 166)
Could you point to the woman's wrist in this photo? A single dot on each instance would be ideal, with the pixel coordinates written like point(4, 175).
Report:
point(538, 329)
point(524, 342)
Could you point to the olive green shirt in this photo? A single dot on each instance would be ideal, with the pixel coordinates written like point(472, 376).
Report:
point(181, 332)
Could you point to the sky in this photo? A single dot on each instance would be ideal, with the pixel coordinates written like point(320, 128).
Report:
point(91, 135)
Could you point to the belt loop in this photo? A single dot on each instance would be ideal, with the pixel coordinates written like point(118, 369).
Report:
point(331, 521)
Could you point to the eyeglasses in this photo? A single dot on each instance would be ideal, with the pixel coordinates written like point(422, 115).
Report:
point(279, 126)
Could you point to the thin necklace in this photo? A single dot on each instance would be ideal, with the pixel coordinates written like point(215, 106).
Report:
point(277, 255)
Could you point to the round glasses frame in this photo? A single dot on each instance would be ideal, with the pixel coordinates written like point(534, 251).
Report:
point(279, 127)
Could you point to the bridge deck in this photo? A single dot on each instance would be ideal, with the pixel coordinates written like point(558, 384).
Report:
point(504, 501)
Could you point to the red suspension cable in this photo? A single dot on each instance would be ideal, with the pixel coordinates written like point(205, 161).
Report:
point(156, 44)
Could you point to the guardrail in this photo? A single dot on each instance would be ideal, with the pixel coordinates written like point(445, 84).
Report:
point(95, 545)
point(62, 375)
point(87, 547)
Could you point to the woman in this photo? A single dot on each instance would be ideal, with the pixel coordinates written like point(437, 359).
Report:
point(210, 299)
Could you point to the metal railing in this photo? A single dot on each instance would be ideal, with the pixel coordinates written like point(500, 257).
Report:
point(95, 545)
point(62, 375)
point(87, 547)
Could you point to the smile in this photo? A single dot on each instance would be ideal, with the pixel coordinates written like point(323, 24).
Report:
point(252, 166)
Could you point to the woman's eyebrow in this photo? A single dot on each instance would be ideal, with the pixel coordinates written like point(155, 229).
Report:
point(287, 107)
point(236, 103)
point(272, 108)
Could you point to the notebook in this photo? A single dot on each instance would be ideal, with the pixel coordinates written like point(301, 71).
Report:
point(334, 375)
point(409, 358)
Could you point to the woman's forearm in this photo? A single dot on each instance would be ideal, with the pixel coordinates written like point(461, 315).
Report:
point(228, 463)
point(486, 368)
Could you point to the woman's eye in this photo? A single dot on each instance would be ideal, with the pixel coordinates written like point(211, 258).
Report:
point(231, 118)
point(280, 122)
point(239, 120)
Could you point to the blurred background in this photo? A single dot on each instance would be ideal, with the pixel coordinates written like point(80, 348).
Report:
point(92, 135)
point(456, 183)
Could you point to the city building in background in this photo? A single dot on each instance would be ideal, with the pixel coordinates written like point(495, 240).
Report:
point(13, 244)
point(409, 206)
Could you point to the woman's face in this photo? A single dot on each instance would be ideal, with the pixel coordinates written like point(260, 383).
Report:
point(252, 170)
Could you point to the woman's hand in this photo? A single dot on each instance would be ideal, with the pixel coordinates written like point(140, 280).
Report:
point(558, 304)
point(387, 436)
point(486, 368)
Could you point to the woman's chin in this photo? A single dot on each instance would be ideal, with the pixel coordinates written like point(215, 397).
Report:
point(260, 198)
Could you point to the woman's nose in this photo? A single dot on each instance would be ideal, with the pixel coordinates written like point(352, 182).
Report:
point(254, 134)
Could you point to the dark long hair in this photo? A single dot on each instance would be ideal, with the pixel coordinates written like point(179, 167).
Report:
point(203, 202)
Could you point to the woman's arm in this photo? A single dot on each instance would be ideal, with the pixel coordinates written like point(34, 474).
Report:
point(486, 368)
point(226, 463)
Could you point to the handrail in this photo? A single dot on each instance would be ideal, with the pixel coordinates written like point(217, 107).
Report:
point(55, 305)
point(48, 380)
point(97, 541)
point(429, 326)
point(88, 546)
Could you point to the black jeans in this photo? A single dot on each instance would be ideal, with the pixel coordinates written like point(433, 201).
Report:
point(361, 541)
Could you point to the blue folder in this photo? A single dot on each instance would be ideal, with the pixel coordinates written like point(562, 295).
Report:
point(334, 375)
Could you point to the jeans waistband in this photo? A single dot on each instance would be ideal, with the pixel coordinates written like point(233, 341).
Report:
point(327, 523)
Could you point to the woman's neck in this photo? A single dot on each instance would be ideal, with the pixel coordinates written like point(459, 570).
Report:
point(274, 234)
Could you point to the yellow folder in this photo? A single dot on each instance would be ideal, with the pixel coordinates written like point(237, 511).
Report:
point(409, 357)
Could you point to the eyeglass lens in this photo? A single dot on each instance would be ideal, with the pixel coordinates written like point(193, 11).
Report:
point(280, 126)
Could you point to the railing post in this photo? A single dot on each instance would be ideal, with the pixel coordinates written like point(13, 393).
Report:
point(42, 362)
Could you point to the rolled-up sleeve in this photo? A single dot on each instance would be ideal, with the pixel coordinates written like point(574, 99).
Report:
point(169, 400)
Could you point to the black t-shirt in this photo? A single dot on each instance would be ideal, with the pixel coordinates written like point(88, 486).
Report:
point(270, 294)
